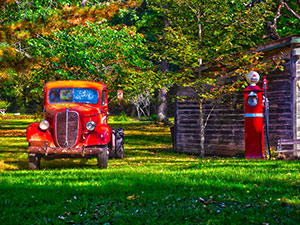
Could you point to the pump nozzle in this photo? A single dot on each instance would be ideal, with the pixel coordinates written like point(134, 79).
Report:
point(265, 82)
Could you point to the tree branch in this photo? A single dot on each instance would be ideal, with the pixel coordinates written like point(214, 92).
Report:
point(191, 8)
point(83, 2)
point(18, 48)
point(292, 11)
point(209, 114)
point(271, 27)
point(278, 14)
point(18, 3)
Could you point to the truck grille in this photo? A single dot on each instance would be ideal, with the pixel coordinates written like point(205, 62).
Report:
point(67, 124)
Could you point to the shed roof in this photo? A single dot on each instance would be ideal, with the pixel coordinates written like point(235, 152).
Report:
point(295, 39)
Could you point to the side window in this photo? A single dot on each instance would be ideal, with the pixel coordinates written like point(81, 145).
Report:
point(103, 98)
point(54, 95)
point(61, 95)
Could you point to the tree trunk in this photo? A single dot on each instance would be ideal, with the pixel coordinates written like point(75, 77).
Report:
point(162, 111)
point(133, 111)
point(200, 100)
point(202, 127)
point(162, 106)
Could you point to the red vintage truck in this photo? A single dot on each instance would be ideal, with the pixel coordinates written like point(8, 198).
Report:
point(74, 125)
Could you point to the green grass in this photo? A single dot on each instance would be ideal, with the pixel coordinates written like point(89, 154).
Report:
point(151, 185)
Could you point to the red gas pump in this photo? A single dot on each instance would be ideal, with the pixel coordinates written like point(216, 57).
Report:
point(254, 123)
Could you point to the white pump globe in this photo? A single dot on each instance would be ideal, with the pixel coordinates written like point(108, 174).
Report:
point(253, 78)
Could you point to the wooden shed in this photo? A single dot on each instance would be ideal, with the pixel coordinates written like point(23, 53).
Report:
point(224, 133)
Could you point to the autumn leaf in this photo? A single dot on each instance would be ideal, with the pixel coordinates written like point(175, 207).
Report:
point(132, 197)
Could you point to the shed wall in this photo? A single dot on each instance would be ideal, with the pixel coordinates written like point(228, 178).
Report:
point(187, 122)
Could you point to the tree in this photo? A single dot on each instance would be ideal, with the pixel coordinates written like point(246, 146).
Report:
point(116, 55)
point(212, 34)
point(23, 23)
point(150, 22)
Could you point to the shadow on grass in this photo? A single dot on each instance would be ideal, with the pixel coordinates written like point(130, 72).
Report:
point(145, 196)
point(11, 147)
point(156, 150)
point(22, 164)
point(11, 125)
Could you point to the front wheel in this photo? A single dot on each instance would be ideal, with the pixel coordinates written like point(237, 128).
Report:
point(34, 161)
point(102, 159)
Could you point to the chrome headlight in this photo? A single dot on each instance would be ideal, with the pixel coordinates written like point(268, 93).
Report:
point(44, 125)
point(90, 126)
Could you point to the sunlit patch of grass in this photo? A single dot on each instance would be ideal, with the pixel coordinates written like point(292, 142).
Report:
point(13, 153)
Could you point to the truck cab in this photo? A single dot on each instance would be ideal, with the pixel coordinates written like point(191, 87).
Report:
point(74, 125)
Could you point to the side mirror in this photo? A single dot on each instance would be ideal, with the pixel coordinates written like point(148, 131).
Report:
point(120, 95)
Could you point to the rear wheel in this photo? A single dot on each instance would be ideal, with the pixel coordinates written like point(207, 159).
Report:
point(34, 161)
point(112, 144)
point(103, 158)
point(119, 143)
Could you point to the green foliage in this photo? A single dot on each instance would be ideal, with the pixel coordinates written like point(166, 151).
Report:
point(288, 24)
point(4, 104)
point(27, 29)
point(153, 117)
point(116, 55)
point(215, 35)
point(122, 117)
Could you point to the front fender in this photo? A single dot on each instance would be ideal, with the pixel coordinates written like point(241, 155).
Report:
point(35, 134)
point(100, 136)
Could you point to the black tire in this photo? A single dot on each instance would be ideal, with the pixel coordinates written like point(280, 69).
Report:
point(119, 143)
point(34, 161)
point(112, 144)
point(103, 159)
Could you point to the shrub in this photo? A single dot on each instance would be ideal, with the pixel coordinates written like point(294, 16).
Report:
point(122, 117)
point(153, 117)
point(4, 105)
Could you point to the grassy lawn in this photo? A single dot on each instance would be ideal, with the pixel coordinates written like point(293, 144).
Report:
point(151, 185)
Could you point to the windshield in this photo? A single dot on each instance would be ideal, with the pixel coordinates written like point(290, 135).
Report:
point(73, 95)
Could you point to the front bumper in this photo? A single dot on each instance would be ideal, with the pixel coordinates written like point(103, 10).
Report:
point(43, 149)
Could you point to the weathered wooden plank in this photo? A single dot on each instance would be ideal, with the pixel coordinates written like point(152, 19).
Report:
point(187, 132)
point(289, 141)
point(188, 102)
point(184, 126)
point(189, 150)
point(190, 139)
point(186, 136)
point(288, 151)
point(224, 132)
point(188, 107)
point(189, 111)
point(185, 122)
point(195, 145)
point(217, 136)
point(184, 115)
